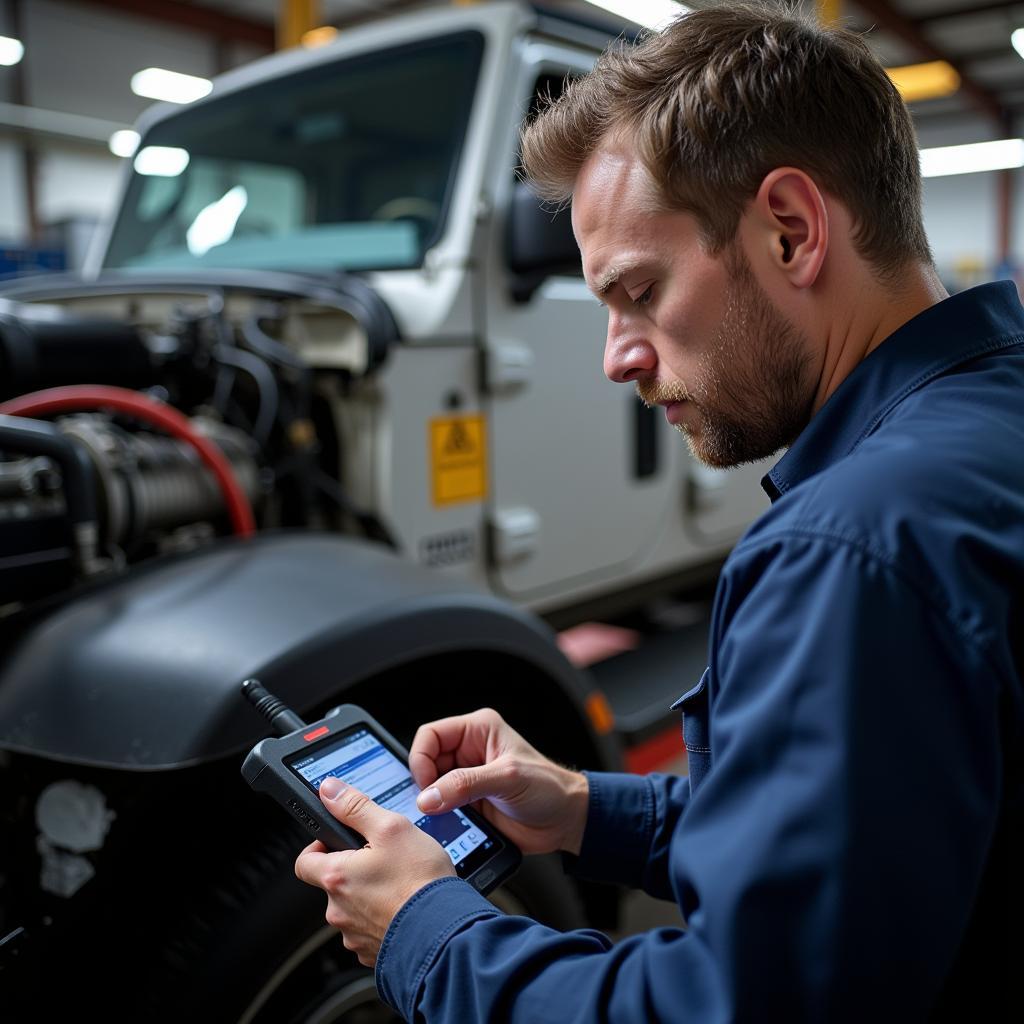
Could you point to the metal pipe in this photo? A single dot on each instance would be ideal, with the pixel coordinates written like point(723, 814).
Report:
point(294, 19)
point(36, 120)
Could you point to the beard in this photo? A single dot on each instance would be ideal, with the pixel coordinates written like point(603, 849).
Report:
point(751, 392)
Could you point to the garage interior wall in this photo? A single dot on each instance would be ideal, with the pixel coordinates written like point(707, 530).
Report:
point(80, 60)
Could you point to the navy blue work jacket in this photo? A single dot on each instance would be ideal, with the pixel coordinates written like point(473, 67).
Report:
point(847, 846)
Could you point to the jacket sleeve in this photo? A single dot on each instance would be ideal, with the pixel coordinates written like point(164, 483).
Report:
point(827, 864)
point(630, 823)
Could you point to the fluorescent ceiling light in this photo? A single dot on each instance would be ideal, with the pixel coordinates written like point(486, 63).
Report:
point(979, 156)
point(215, 224)
point(162, 161)
point(925, 81)
point(653, 14)
point(11, 51)
point(172, 86)
point(1017, 41)
point(124, 143)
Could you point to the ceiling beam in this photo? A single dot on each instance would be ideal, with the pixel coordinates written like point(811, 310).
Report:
point(989, 53)
point(899, 25)
point(950, 13)
point(228, 27)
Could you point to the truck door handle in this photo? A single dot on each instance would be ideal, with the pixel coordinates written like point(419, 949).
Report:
point(645, 440)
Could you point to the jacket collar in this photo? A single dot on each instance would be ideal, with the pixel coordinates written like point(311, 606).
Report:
point(954, 331)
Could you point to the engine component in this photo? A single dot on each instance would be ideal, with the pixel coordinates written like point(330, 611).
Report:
point(73, 819)
point(75, 534)
point(73, 399)
point(119, 486)
point(37, 352)
point(149, 483)
point(35, 543)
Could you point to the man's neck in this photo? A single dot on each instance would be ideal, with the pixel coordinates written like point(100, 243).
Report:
point(868, 315)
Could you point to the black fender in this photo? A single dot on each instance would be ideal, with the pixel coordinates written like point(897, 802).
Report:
point(142, 673)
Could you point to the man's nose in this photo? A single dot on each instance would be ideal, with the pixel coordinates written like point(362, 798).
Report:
point(628, 355)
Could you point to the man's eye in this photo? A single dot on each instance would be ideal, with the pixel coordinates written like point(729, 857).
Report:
point(645, 297)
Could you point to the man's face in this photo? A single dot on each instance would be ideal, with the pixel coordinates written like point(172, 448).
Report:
point(695, 333)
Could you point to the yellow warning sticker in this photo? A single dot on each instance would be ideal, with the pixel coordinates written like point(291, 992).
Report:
point(458, 459)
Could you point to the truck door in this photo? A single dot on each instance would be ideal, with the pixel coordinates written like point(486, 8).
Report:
point(583, 477)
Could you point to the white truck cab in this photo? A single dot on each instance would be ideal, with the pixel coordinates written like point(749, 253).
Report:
point(486, 437)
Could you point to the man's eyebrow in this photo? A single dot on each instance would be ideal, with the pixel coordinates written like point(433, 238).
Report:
point(609, 277)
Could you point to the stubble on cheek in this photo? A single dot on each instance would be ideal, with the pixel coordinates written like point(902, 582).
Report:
point(704, 394)
point(749, 394)
point(756, 378)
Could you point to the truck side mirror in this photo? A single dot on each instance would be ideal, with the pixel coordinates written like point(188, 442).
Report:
point(539, 243)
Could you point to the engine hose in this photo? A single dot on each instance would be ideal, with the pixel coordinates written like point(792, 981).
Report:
point(266, 385)
point(269, 348)
point(79, 398)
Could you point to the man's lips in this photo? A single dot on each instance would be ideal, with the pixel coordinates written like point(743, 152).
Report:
point(675, 408)
point(674, 411)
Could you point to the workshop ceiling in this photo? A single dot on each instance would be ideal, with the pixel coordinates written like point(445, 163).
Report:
point(973, 35)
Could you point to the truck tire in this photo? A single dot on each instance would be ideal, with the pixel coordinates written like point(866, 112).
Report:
point(254, 948)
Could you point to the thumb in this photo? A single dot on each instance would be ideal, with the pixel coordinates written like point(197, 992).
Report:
point(464, 785)
point(354, 808)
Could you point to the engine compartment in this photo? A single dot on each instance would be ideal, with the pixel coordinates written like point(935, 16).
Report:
point(141, 418)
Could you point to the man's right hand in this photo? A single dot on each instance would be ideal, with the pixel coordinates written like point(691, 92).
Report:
point(539, 805)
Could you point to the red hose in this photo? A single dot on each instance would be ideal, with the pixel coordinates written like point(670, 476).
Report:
point(158, 414)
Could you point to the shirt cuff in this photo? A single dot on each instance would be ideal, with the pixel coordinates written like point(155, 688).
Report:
point(619, 831)
point(418, 933)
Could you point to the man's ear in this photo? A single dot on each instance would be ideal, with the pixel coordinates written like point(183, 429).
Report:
point(791, 214)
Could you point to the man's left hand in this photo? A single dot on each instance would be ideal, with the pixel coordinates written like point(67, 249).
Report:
point(366, 888)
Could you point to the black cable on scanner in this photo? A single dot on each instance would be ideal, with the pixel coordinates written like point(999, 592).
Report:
point(275, 711)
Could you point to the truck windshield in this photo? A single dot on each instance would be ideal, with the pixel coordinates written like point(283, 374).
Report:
point(348, 165)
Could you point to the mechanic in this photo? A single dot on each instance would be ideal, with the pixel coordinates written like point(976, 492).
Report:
point(746, 195)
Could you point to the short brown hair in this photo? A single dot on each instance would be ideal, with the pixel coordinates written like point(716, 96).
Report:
point(725, 95)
